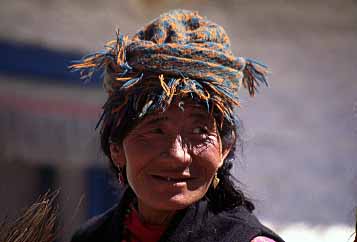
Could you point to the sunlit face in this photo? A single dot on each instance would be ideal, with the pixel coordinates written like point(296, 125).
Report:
point(171, 157)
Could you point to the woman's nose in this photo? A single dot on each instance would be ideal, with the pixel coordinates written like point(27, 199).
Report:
point(178, 151)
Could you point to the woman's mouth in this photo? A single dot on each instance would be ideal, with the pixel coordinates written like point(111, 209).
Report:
point(171, 179)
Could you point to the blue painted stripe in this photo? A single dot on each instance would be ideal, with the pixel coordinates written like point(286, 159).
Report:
point(40, 63)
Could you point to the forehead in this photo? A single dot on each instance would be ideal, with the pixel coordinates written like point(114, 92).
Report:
point(179, 111)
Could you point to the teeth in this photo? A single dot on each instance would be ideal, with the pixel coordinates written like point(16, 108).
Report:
point(170, 179)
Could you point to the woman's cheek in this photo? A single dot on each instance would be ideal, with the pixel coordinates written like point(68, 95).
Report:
point(210, 148)
point(210, 157)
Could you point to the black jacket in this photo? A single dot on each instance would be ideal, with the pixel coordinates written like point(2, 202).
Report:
point(196, 223)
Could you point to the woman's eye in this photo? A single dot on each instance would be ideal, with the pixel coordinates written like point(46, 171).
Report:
point(157, 131)
point(200, 130)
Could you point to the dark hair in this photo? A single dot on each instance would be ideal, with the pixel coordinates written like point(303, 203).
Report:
point(226, 195)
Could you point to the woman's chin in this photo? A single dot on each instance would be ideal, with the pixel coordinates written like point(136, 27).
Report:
point(175, 202)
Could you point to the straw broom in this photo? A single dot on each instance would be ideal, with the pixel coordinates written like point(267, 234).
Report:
point(36, 224)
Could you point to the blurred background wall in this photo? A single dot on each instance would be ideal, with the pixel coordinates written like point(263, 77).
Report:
point(300, 156)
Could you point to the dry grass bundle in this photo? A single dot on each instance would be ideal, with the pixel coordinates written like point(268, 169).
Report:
point(36, 224)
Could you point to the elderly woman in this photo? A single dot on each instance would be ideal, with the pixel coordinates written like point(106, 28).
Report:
point(169, 131)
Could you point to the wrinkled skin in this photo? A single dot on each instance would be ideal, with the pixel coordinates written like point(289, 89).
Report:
point(170, 159)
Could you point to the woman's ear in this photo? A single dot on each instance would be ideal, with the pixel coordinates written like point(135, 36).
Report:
point(117, 155)
point(227, 145)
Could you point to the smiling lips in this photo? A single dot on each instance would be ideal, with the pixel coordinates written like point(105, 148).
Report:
point(172, 178)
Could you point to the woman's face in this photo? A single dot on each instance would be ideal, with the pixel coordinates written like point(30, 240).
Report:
point(172, 157)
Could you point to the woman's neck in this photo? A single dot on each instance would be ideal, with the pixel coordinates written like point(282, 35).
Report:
point(153, 216)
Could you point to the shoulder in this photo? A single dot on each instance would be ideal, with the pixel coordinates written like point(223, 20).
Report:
point(96, 227)
point(250, 227)
point(262, 239)
point(242, 217)
point(106, 226)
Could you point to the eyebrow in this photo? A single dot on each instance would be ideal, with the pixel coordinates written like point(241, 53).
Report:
point(155, 120)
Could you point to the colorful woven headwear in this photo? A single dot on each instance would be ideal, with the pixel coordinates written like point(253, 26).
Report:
point(179, 53)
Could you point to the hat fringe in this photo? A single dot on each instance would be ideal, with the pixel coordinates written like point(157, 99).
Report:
point(113, 64)
point(253, 74)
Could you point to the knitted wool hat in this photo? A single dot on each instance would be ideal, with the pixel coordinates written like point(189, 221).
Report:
point(178, 54)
